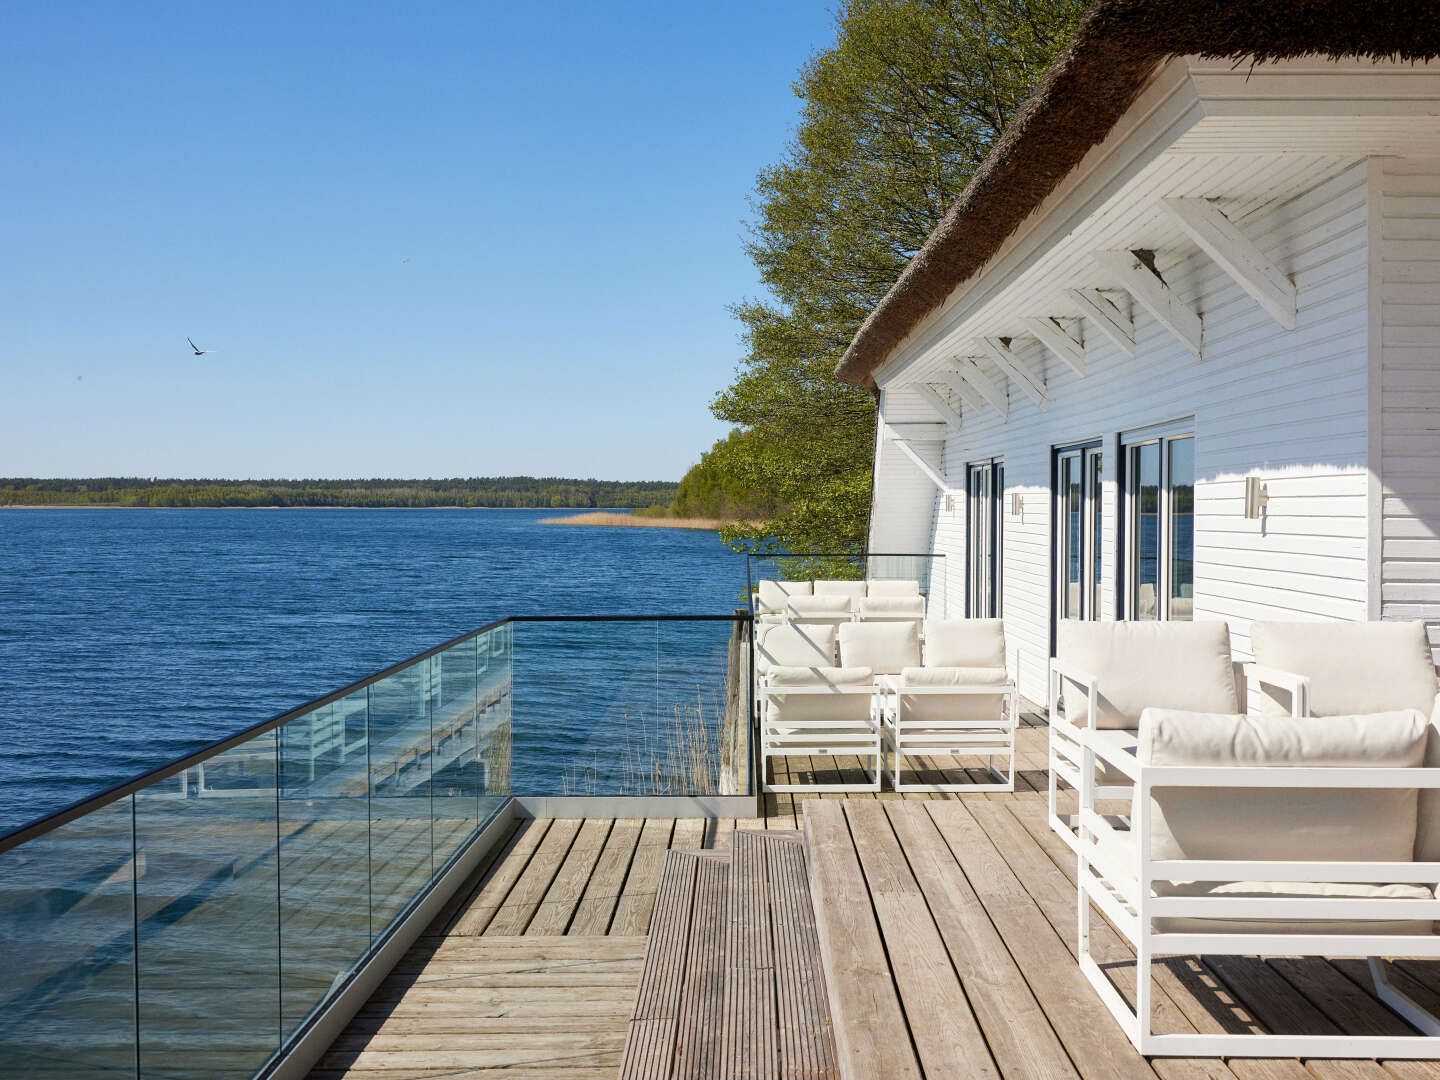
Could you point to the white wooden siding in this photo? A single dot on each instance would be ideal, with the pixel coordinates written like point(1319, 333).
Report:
point(1409, 406)
point(1289, 406)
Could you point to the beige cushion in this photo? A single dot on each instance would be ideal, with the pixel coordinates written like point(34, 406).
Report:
point(1297, 889)
point(851, 590)
point(1353, 667)
point(824, 607)
point(930, 708)
point(887, 648)
point(1427, 821)
point(1320, 824)
point(892, 607)
point(965, 643)
point(771, 595)
point(1170, 665)
point(785, 645)
point(789, 711)
point(892, 588)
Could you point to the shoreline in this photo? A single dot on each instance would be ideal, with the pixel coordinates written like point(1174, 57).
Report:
point(606, 517)
point(113, 506)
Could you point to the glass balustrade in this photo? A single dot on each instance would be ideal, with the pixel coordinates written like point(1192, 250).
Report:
point(191, 922)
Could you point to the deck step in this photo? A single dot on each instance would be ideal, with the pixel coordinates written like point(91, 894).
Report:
point(732, 986)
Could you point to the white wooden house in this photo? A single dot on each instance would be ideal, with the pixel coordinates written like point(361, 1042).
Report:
point(1228, 276)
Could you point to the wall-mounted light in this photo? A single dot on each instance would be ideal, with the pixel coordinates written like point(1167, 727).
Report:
point(949, 504)
point(1256, 496)
point(1017, 504)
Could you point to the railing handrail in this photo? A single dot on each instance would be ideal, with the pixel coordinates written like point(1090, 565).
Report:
point(78, 809)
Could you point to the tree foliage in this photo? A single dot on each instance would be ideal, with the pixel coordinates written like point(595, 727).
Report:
point(896, 115)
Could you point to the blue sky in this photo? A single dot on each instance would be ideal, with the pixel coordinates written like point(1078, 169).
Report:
point(419, 240)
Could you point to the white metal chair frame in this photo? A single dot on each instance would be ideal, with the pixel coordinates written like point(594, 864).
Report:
point(1116, 871)
point(1067, 737)
point(822, 738)
point(972, 738)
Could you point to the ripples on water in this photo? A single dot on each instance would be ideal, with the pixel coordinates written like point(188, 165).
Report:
point(129, 637)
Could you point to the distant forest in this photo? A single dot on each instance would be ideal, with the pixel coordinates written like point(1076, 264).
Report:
point(546, 492)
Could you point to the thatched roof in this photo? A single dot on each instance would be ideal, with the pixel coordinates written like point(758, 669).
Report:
point(1116, 48)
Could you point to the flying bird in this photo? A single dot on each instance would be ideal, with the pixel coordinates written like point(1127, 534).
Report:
point(198, 351)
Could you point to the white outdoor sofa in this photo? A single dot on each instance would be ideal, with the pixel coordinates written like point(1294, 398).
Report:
point(822, 599)
point(808, 706)
point(959, 701)
point(1276, 834)
point(1105, 675)
point(928, 706)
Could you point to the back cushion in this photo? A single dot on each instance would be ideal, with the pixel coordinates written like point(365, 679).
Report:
point(783, 645)
point(851, 590)
point(791, 709)
point(773, 594)
point(887, 648)
point(1323, 824)
point(830, 606)
point(892, 588)
point(892, 605)
point(1165, 665)
point(1353, 667)
point(965, 643)
point(930, 708)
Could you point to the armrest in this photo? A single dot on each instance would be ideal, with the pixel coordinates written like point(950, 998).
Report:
point(1298, 685)
point(1070, 673)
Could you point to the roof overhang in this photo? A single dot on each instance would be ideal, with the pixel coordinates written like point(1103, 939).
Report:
point(1204, 146)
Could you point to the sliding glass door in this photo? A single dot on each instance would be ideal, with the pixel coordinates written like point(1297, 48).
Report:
point(1079, 523)
point(1160, 537)
point(986, 484)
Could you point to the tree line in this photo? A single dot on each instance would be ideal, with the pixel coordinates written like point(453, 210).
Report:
point(497, 491)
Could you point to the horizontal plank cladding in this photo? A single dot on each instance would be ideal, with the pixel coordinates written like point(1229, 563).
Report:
point(1409, 406)
point(1290, 406)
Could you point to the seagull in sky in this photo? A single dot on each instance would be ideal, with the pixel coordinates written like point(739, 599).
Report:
point(198, 352)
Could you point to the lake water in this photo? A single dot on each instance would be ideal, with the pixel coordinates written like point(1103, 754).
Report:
point(129, 637)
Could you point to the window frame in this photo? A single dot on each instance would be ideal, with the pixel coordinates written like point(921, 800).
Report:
point(993, 469)
point(1162, 436)
point(1092, 526)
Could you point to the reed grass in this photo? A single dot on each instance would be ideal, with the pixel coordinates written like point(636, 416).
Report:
point(604, 517)
point(679, 754)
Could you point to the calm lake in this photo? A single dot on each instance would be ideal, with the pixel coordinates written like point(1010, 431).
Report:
point(129, 637)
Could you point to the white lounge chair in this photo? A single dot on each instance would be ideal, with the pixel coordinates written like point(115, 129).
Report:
point(1298, 836)
point(1107, 673)
point(854, 591)
point(892, 609)
point(960, 702)
point(886, 587)
point(771, 596)
point(832, 610)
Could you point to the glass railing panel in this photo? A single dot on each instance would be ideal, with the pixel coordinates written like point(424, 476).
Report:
point(324, 852)
point(67, 1000)
point(455, 735)
point(400, 790)
point(612, 707)
point(208, 916)
point(703, 730)
point(495, 693)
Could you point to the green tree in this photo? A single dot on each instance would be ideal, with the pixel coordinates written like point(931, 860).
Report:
point(896, 115)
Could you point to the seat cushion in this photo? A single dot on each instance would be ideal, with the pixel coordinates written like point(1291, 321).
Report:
point(1295, 889)
point(787, 712)
point(823, 607)
point(892, 588)
point(851, 590)
point(931, 708)
point(1179, 665)
point(786, 645)
point(1353, 667)
point(965, 643)
point(891, 607)
point(771, 595)
point(886, 648)
point(1320, 824)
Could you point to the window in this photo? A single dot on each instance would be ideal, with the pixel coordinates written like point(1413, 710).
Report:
point(986, 482)
point(1079, 520)
point(1160, 532)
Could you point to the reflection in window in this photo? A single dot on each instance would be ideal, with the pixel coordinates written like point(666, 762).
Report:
point(1145, 531)
point(1181, 490)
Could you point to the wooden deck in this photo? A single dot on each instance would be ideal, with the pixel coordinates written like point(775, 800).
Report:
point(946, 925)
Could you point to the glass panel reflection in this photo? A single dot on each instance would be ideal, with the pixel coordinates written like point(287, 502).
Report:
point(324, 852)
point(208, 916)
point(67, 1002)
point(1145, 530)
point(455, 735)
point(400, 762)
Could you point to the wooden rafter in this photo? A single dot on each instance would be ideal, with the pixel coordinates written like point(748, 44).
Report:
point(1062, 346)
point(1237, 255)
point(1107, 318)
point(1030, 382)
point(983, 384)
point(1153, 294)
